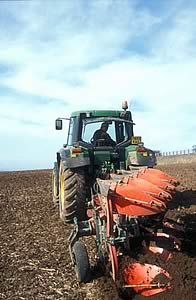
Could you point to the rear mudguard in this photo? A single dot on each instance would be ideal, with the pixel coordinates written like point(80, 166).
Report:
point(72, 161)
point(146, 158)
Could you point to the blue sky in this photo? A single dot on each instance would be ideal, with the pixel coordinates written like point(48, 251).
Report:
point(61, 56)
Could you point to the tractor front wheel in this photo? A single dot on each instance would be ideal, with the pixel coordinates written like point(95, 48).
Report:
point(72, 194)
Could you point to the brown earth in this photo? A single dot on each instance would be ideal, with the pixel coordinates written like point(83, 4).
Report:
point(34, 256)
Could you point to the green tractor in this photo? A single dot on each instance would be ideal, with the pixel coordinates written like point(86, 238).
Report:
point(99, 143)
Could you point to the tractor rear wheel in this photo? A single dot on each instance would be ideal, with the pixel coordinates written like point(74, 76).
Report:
point(81, 261)
point(72, 194)
point(55, 184)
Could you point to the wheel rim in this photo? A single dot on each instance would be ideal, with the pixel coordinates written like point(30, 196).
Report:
point(62, 191)
point(54, 185)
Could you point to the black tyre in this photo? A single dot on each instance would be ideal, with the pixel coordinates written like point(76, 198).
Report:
point(82, 266)
point(72, 194)
point(55, 184)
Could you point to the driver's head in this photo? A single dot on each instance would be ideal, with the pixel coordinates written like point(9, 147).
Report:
point(104, 126)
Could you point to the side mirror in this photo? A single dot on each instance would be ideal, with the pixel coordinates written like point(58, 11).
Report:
point(58, 124)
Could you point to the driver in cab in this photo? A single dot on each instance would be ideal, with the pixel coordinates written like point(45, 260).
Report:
point(101, 137)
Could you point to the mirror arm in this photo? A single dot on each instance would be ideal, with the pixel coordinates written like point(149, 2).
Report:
point(68, 119)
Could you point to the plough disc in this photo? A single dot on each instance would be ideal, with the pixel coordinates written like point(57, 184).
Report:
point(146, 279)
point(162, 244)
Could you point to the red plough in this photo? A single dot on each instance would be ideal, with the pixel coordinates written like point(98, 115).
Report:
point(125, 211)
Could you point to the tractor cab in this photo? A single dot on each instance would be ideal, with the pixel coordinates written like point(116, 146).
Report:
point(101, 138)
point(84, 125)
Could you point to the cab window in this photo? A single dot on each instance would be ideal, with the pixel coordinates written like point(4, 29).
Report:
point(90, 128)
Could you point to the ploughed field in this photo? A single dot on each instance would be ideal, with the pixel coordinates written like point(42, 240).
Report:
point(34, 256)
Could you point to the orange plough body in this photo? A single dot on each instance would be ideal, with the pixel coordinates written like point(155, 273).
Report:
point(139, 194)
point(147, 187)
point(161, 179)
point(131, 202)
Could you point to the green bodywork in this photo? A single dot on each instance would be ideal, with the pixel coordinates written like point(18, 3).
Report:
point(101, 156)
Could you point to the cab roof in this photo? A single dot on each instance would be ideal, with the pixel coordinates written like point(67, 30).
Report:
point(98, 113)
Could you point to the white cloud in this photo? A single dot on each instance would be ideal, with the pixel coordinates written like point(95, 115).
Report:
point(177, 42)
